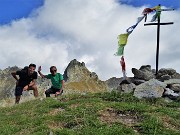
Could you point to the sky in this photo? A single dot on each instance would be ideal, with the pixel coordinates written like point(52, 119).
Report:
point(54, 32)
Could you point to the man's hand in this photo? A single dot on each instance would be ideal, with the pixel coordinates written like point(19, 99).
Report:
point(58, 93)
point(39, 69)
point(25, 88)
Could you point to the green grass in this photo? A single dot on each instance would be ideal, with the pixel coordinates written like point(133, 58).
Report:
point(92, 114)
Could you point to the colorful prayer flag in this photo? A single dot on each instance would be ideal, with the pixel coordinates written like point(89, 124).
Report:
point(122, 39)
point(120, 51)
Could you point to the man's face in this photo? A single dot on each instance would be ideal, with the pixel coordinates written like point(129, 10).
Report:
point(53, 71)
point(31, 70)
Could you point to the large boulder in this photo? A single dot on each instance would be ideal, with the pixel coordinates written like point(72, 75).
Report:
point(144, 73)
point(7, 82)
point(167, 73)
point(113, 83)
point(150, 89)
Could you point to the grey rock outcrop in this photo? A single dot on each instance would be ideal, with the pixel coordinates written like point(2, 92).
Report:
point(7, 83)
point(76, 71)
point(165, 72)
point(113, 83)
point(144, 73)
point(150, 89)
point(79, 78)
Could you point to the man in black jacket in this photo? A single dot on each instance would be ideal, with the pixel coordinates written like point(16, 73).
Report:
point(26, 81)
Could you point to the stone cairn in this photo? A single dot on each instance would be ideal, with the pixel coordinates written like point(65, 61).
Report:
point(145, 84)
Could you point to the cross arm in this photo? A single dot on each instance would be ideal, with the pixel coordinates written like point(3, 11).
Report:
point(158, 23)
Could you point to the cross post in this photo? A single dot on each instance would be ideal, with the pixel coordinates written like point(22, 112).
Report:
point(158, 34)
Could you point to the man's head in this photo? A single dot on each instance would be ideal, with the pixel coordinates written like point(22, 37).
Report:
point(32, 68)
point(53, 70)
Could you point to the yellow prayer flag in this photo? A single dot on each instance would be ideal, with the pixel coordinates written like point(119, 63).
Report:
point(122, 39)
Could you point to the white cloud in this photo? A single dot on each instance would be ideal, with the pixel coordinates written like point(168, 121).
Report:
point(87, 31)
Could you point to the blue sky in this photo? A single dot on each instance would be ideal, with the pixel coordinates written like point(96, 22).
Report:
point(86, 30)
point(16, 9)
point(168, 3)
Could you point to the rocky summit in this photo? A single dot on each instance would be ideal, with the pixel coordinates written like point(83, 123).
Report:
point(78, 79)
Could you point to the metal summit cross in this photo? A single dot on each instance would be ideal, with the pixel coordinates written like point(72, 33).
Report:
point(158, 12)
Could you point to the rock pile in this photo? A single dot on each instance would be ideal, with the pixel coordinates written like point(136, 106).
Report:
point(145, 84)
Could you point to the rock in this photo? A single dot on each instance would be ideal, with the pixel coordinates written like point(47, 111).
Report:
point(145, 68)
point(150, 89)
point(94, 75)
point(125, 82)
point(113, 82)
point(76, 72)
point(175, 87)
point(143, 74)
point(165, 71)
point(138, 81)
point(165, 77)
point(79, 79)
point(168, 100)
point(172, 81)
point(168, 71)
point(126, 88)
point(7, 82)
point(176, 76)
point(170, 94)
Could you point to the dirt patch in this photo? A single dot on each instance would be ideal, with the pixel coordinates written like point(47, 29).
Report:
point(111, 116)
point(73, 106)
point(78, 122)
point(167, 122)
point(56, 111)
point(55, 125)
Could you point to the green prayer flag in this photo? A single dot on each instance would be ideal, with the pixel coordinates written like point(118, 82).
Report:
point(120, 51)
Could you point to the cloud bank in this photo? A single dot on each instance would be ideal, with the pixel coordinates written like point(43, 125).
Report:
point(60, 31)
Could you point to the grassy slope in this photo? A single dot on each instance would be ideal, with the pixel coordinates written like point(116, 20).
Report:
point(91, 114)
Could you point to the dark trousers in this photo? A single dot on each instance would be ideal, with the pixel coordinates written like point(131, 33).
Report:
point(52, 90)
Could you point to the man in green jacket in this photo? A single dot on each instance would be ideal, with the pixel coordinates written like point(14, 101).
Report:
point(56, 79)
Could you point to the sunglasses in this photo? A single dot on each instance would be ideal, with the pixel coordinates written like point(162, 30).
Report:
point(52, 71)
